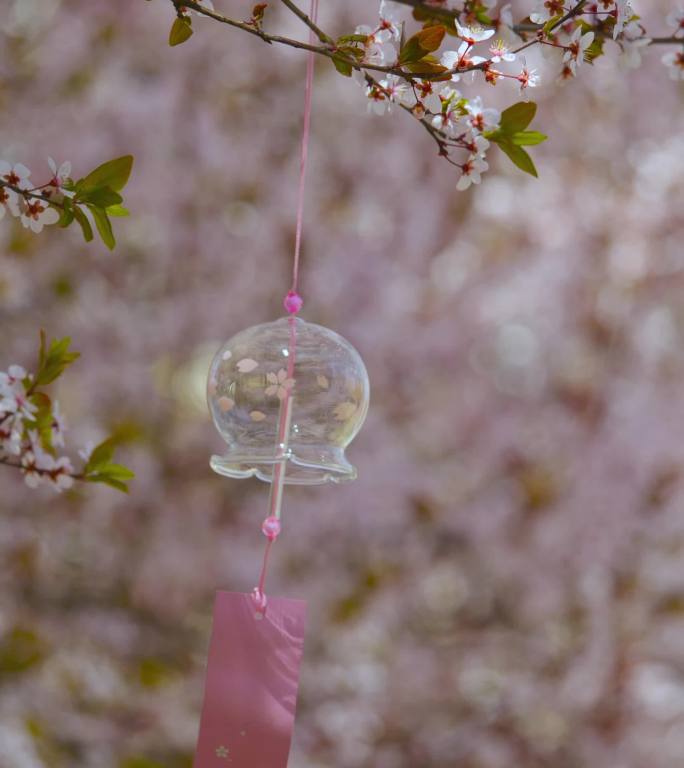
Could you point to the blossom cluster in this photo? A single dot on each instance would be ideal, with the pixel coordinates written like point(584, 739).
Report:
point(31, 203)
point(674, 60)
point(32, 427)
point(564, 35)
point(89, 201)
point(458, 122)
point(501, 587)
point(23, 441)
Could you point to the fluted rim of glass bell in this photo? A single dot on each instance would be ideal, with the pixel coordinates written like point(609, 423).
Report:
point(334, 469)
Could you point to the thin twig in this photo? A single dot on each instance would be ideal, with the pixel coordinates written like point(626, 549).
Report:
point(7, 463)
point(27, 193)
point(320, 34)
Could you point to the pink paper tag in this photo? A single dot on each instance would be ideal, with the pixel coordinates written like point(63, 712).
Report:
point(252, 681)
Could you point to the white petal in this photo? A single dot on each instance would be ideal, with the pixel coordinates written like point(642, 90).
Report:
point(246, 365)
point(22, 171)
point(49, 216)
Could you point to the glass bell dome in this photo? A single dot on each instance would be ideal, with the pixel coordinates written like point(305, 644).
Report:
point(272, 412)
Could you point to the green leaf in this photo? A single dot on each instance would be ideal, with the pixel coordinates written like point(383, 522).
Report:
point(419, 45)
point(104, 225)
point(517, 117)
point(551, 24)
point(102, 454)
point(102, 197)
point(42, 420)
point(67, 214)
point(431, 37)
point(180, 31)
point(424, 67)
point(53, 360)
point(82, 219)
point(113, 174)
point(411, 51)
point(117, 211)
point(101, 469)
point(114, 475)
point(342, 66)
point(528, 138)
point(352, 39)
point(518, 155)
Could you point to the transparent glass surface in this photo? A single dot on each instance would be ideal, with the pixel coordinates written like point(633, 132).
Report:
point(271, 412)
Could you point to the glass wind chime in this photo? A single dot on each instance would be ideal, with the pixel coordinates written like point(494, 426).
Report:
point(287, 397)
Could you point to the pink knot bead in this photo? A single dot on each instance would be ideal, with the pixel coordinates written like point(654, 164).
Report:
point(271, 528)
point(293, 302)
point(260, 601)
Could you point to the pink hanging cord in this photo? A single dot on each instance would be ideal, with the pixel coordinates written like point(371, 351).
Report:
point(305, 149)
point(293, 303)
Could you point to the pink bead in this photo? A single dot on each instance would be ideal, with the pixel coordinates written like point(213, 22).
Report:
point(271, 528)
point(293, 302)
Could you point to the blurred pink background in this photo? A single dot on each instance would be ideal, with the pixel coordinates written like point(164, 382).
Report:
point(504, 583)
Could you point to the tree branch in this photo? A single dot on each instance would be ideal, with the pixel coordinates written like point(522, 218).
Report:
point(320, 34)
point(42, 472)
point(28, 193)
point(328, 50)
point(450, 15)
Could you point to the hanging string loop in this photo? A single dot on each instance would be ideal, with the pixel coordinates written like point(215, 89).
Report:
point(293, 303)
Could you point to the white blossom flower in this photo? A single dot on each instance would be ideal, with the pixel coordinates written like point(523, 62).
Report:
point(528, 77)
point(39, 466)
point(428, 92)
point(674, 61)
point(9, 201)
point(55, 189)
point(11, 430)
point(12, 380)
point(391, 19)
point(397, 90)
point(476, 143)
point(474, 34)
point(61, 174)
point(675, 19)
point(451, 60)
point(61, 473)
point(547, 9)
point(36, 214)
point(279, 384)
point(481, 118)
point(377, 48)
point(499, 51)
point(624, 14)
point(86, 452)
point(472, 170)
point(17, 175)
point(450, 115)
point(377, 100)
point(30, 470)
point(13, 397)
point(576, 47)
point(461, 59)
point(58, 426)
point(632, 42)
